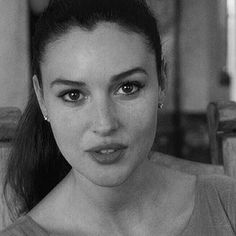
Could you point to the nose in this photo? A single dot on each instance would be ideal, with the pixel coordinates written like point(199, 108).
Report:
point(105, 119)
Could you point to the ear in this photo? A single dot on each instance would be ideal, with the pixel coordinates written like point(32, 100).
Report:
point(163, 83)
point(161, 95)
point(39, 93)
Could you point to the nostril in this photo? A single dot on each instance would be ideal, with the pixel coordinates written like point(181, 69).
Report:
point(105, 119)
point(105, 125)
point(105, 128)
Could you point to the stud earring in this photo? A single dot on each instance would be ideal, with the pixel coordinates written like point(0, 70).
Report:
point(160, 105)
point(46, 118)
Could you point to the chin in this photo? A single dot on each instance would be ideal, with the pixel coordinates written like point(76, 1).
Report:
point(111, 178)
point(113, 175)
point(109, 181)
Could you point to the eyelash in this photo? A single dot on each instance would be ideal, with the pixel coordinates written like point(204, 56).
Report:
point(70, 92)
point(135, 84)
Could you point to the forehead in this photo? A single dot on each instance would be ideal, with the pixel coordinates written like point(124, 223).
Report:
point(107, 48)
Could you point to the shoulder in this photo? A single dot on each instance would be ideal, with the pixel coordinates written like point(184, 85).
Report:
point(218, 194)
point(220, 184)
point(24, 226)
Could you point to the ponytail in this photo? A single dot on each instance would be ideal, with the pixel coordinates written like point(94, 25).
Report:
point(35, 165)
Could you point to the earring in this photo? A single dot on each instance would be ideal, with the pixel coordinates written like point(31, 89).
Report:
point(160, 105)
point(46, 118)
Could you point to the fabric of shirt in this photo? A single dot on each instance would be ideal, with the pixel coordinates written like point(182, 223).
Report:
point(214, 212)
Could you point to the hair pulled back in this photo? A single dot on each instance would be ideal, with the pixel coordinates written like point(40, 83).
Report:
point(36, 165)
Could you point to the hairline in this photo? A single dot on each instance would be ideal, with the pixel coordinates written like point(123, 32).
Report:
point(57, 36)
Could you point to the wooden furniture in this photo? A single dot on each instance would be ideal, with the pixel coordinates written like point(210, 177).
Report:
point(222, 135)
point(9, 117)
point(4, 216)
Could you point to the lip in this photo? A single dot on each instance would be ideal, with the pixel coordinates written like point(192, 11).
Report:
point(115, 146)
point(109, 158)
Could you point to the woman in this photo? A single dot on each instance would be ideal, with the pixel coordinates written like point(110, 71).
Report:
point(80, 162)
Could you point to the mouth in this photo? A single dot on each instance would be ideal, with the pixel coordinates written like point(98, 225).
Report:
point(107, 154)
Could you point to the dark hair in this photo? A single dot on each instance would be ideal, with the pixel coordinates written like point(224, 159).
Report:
point(35, 164)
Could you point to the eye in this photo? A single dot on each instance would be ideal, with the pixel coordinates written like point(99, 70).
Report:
point(72, 96)
point(129, 88)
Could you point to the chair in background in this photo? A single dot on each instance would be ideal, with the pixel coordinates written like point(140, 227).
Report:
point(222, 135)
point(221, 117)
point(9, 117)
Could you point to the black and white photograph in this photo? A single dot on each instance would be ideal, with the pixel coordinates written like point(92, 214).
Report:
point(117, 117)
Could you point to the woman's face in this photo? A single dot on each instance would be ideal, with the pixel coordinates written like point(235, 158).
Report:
point(100, 92)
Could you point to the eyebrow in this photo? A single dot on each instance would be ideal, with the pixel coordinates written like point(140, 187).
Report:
point(123, 75)
point(62, 81)
point(114, 78)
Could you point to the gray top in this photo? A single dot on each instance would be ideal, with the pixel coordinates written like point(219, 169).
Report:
point(214, 212)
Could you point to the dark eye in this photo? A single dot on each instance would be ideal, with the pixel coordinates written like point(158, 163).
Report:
point(72, 96)
point(129, 88)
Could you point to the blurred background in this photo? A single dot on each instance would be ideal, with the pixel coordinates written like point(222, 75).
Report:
point(199, 44)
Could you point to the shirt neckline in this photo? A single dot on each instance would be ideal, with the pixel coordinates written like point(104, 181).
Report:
point(196, 200)
point(33, 223)
point(189, 223)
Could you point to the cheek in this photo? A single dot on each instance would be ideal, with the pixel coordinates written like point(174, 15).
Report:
point(65, 121)
point(68, 130)
point(70, 126)
point(63, 132)
point(141, 120)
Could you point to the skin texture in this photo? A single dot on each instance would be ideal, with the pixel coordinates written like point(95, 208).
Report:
point(105, 114)
point(131, 196)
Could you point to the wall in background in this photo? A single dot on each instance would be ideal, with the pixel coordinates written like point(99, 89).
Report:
point(231, 56)
point(164, 11)
point(194, 41)
point(14, 60)
point(202, 51)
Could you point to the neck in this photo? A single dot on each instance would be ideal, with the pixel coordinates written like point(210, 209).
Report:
point(152, 194)
point(131, 194)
